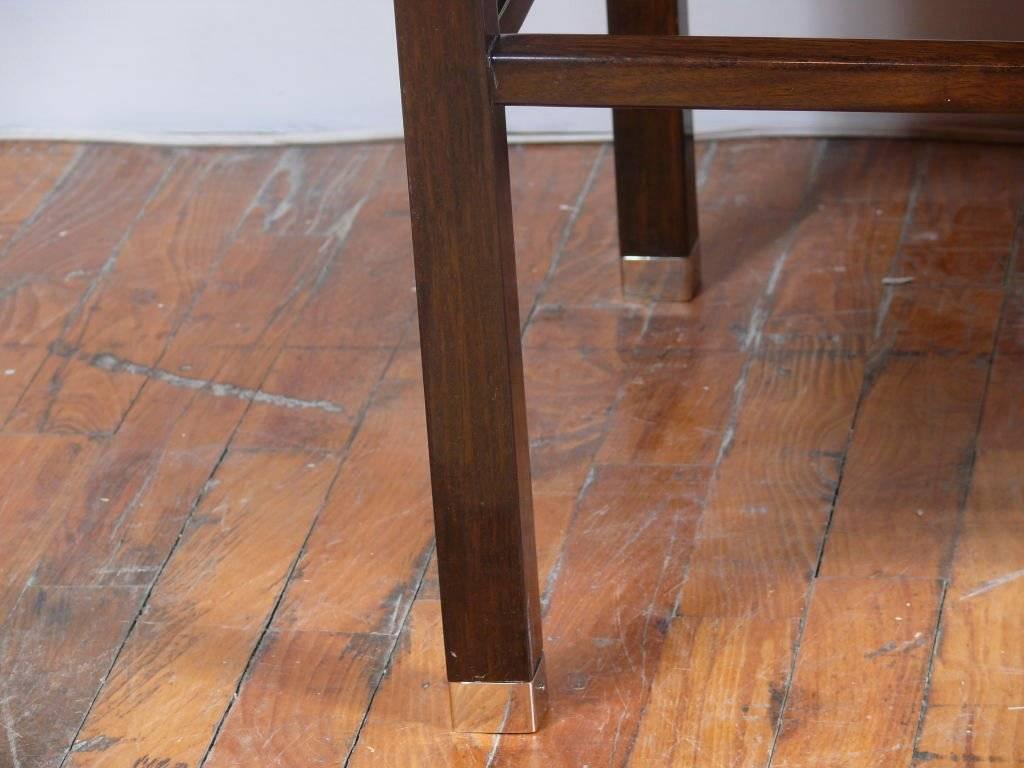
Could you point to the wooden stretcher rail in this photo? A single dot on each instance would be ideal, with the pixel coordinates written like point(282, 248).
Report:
point(759, 73)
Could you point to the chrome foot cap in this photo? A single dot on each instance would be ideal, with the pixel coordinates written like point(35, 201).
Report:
point(661, 278)
point(500, 707)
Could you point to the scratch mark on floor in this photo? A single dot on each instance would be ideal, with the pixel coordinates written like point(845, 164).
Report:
point(918, 640)
point(988, 586)
point(108, 362)
point(12, 735)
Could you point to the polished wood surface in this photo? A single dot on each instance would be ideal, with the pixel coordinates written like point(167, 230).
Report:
point(781, 525)
point(469, 331)
point(759, 73)
point(654, 159)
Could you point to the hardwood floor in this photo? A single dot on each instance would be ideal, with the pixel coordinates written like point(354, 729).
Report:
point(782, 525)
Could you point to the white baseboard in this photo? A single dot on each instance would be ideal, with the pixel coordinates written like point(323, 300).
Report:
point(991, 134)
point(200, 139)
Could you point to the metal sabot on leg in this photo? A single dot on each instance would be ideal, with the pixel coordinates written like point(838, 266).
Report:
point(661, 278)
point(500, 707)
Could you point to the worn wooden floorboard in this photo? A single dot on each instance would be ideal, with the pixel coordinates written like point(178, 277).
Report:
point(900, 504)
point(718, 697)
point(779, 526)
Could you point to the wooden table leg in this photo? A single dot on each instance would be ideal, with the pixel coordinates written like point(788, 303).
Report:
point(472, 364)
point(655, 174)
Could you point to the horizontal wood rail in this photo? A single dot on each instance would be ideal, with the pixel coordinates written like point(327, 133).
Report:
point(759, 73)
point(513, 14)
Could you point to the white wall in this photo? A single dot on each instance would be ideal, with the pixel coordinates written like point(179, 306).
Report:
point(326, 68)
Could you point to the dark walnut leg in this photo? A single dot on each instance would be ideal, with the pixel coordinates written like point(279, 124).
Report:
point(655, 175)
point(472, 364)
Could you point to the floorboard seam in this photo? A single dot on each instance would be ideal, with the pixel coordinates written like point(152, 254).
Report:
point(751, 348)
point(949, 560)
point(89, 291)
point(96, 284)
point(556, 569)
point(188, 518)
point(346, 450)
point(201, 289)
point(41, 208)
point(567, 230)
point(149, 592)
point(868, 380)
point(889, 289)
point(1015, 251)
point(916, 754)
point(805, 613)
point(145, 600)
point(339, 248)
point(403, 627)
point(156, 578)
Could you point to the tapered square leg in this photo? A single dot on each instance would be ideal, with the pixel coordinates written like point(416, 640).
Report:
point(655, 175)
point(472, 364)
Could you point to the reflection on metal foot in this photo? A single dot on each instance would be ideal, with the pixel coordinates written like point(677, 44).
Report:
point(499, 707)
point(661, 278)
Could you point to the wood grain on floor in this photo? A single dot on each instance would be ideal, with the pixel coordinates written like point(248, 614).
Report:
point(780, 526)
